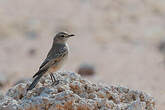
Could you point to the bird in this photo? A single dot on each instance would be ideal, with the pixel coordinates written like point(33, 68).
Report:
point(54, 60)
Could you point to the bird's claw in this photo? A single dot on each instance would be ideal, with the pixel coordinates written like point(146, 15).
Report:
point(55, 83)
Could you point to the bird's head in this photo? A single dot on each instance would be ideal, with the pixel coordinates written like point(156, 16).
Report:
point(62, 37)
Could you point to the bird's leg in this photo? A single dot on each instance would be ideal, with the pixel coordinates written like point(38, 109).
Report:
point(54, 81)
point(51, 76)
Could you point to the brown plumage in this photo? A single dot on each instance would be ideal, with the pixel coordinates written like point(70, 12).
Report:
point(54, 60)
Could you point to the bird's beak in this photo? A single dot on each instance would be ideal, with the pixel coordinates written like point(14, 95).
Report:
point(71, 35)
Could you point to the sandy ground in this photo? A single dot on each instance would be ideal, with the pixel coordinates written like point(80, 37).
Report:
point(120, 38)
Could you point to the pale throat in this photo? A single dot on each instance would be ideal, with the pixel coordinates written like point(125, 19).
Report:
point(67, 46)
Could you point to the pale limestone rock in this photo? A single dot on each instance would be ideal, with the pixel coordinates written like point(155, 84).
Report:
point(74, 93)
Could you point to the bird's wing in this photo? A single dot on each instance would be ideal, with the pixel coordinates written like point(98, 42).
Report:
point(44, 63)
point(53, 57)
point(46, 60)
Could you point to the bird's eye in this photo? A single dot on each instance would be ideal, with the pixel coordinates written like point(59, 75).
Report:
point(62, 35)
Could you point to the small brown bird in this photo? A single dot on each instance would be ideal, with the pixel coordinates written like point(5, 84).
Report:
point(55, 58)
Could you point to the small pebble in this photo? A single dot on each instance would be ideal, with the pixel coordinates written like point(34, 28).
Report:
point(86, 69)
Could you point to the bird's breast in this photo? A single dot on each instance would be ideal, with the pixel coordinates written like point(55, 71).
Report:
point(55, 67)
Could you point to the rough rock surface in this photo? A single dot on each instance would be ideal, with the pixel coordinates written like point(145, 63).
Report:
point(74, 93)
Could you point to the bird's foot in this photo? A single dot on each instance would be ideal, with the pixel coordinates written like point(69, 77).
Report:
point(55, 83)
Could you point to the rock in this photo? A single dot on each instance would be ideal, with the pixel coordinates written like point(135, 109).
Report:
point(86, 69)
point(3, 80)
point(74, 93)
point(1, 95)
point(22, 81)
point(32, 52)
point(161, 46)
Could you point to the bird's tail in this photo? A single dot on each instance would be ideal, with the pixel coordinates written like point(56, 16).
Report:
point(36, 80)
point(40, 72)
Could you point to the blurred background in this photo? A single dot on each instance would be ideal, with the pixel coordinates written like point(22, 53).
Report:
point(120, 41)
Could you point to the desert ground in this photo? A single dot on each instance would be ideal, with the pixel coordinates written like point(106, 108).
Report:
point(123, 40)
